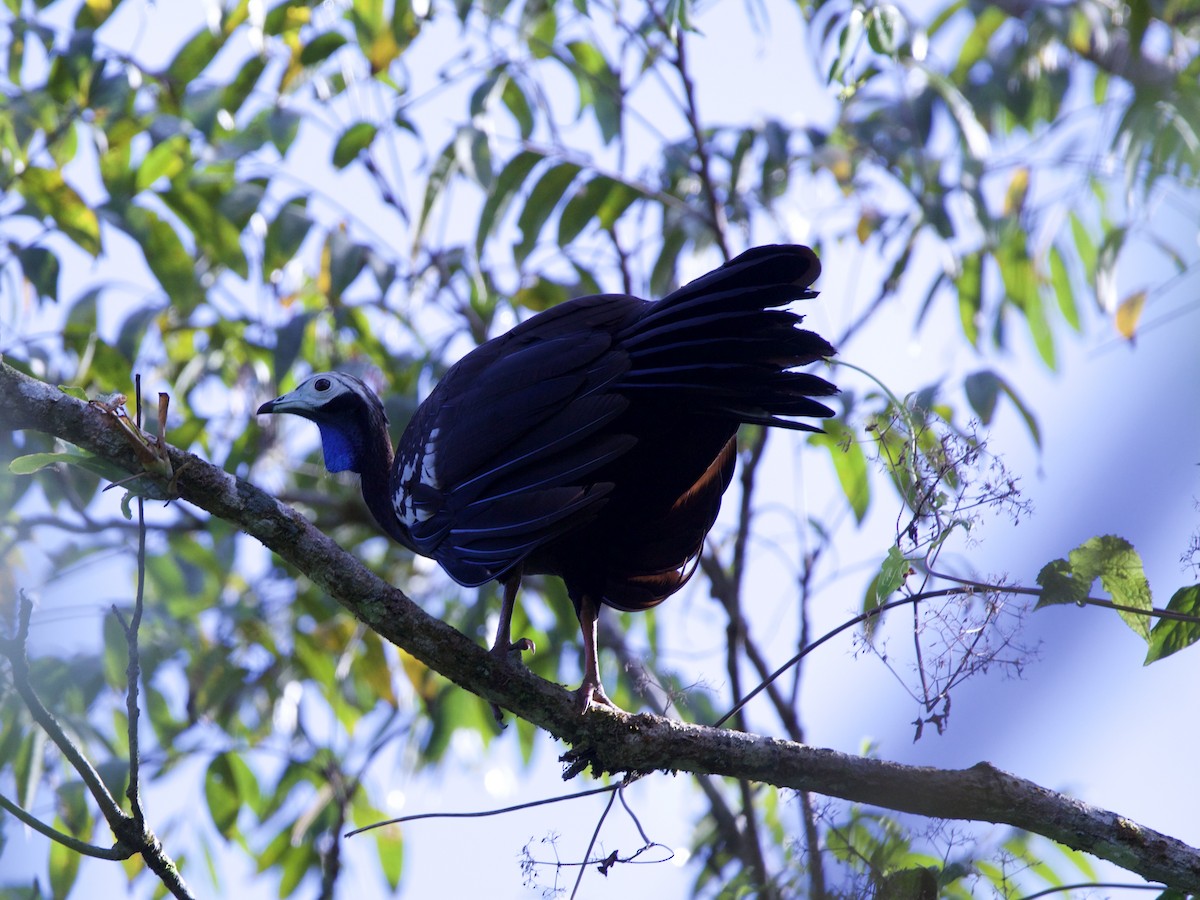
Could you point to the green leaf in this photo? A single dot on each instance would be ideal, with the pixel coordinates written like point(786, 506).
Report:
point(194, 57)
point(1085, 247)
point(849, 463)
point(599, 87)
point(288, 340)
point(35, 462)
point(983, 389)
point(1114, 561)
point(218, 238)
point(1172, 635)
point(1059, 585)
point(582, 208)
point(969, 284)
point(346, 260)
point(133, 330)
point(353, 141)
point(229, 784)
point(243, 84)
point(64, 866)
point(975, 46)
point(321, 48)
point(165, 159)
point(503, 189)
point(885, 24)
point(172, 264)
point(540, 204)
point(389, 839)
point(1060, 280)
point(283, 126)
point(892, 573)
point(848, 43)
point(46, 191)
point(540, 295)
point(515, 101)
point(443, 170)
point(285, 234)
point(1105, 275)
point(40, 268)
point(474, 153)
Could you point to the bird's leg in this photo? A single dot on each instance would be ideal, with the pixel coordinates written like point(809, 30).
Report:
point(503, 644)
point(591, 690)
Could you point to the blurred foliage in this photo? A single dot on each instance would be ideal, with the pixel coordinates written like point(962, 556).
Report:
point(292, 189)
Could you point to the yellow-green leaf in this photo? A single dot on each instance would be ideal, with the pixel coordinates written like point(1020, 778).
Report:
point(46, 190)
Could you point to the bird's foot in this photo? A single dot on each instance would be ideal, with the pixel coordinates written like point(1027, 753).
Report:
point(510, 651)
point(589, 694)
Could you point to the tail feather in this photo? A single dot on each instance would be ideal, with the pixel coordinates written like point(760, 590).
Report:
point(721, 341)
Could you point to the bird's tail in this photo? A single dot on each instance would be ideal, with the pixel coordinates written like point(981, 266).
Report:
point(722, 341)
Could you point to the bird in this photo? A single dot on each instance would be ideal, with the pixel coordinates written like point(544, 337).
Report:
point(592, 442)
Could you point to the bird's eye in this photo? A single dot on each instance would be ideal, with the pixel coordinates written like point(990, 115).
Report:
point(322, 384)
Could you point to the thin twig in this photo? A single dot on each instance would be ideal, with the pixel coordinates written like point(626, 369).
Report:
point(116, 852)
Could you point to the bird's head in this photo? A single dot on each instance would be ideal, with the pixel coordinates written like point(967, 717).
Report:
point(350, 415)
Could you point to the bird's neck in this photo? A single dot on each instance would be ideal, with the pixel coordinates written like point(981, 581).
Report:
point(377, 488)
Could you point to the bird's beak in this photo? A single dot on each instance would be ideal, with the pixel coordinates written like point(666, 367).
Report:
point(268, 407)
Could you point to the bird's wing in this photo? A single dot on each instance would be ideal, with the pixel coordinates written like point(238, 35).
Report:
point(498, 459)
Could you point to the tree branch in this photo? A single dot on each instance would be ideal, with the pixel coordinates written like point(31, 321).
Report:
point(607, 741)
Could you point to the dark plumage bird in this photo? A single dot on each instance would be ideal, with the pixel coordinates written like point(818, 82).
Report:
point(592, 441)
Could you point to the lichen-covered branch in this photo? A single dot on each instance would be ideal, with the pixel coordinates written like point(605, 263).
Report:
point(607, 741)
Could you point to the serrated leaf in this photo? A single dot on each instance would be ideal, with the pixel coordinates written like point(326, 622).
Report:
point(352, 142)
point(1059, 585)
point(1172, 635)
point(1118, 566)
point(889, 579)
point(892, 573)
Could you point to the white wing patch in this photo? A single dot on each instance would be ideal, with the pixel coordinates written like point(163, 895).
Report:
point(409, 511)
